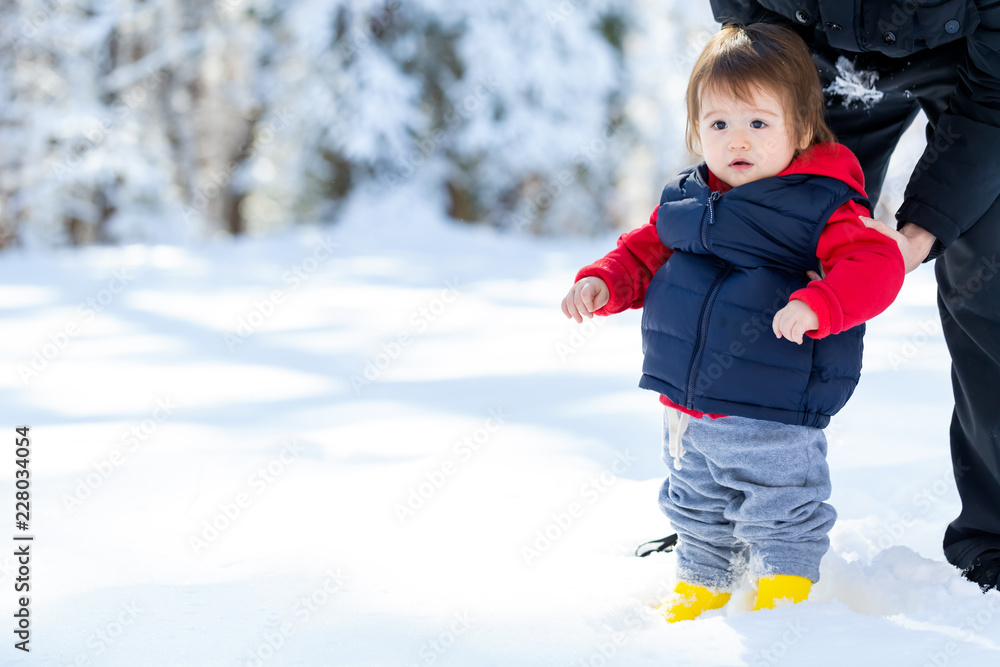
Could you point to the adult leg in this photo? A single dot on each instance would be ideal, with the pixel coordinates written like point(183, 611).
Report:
point(969, 304)
point(969, 301)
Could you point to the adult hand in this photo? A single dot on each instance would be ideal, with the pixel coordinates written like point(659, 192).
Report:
point(914, 242)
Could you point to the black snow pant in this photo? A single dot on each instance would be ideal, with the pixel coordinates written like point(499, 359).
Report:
point(967, 273)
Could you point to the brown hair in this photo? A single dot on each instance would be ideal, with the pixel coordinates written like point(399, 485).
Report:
point(740, 59)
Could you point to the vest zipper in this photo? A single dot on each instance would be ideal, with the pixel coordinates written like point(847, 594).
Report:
point(712, 198)
point(699, 351)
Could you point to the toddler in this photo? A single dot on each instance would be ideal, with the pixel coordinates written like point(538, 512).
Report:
point(749, 356)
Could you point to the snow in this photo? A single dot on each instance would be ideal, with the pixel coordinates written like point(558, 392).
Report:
point(856, 87)
point(379, 442)
point(384, 445)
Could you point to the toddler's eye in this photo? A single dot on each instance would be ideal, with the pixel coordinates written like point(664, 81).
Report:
point(719, 125)
point(757, 124)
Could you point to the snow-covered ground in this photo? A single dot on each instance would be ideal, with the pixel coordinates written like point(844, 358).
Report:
point(380, 443)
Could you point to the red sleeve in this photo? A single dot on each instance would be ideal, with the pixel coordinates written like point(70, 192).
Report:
point(864, 273)
point(628, 268)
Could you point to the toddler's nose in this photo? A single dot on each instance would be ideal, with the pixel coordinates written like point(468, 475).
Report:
point(739, 142)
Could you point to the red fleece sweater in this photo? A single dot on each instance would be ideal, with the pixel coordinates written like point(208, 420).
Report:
point(864, 268)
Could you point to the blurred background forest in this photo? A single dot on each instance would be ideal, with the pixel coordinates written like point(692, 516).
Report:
point(174, 121)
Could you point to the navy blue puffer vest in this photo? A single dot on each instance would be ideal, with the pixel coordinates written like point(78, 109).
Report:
point(706, 323)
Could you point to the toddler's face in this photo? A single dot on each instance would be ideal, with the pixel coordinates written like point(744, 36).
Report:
point(744, 142)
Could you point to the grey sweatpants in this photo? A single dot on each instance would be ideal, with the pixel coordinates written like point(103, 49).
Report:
point(748, 499)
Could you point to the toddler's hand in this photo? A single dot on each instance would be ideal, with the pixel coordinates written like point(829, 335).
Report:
point(586, 296)
point(794, 320)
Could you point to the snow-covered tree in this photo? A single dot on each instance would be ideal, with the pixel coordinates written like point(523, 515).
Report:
point(171, 120)
point(510, 113)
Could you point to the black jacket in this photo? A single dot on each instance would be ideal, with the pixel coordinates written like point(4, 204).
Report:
point(959, 172)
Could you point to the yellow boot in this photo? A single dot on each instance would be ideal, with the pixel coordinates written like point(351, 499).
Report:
point(689, 601)
point(780, 587)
